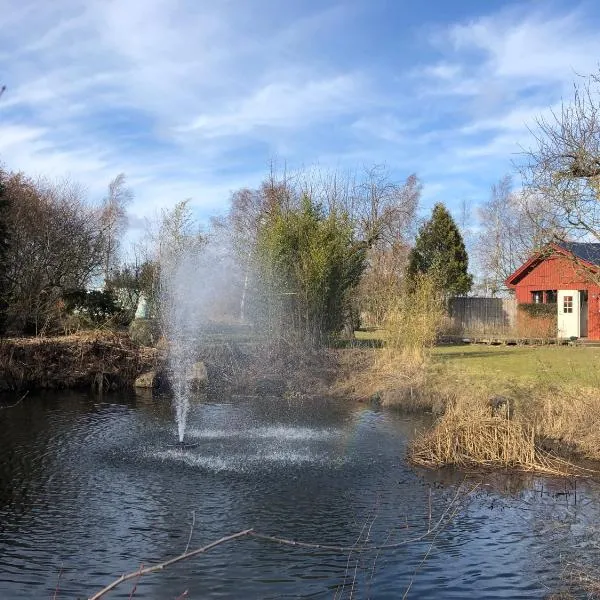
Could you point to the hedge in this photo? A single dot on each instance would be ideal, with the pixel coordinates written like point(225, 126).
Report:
point(539, 310)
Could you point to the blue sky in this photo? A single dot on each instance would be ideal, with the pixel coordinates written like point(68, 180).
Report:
point(193, 98)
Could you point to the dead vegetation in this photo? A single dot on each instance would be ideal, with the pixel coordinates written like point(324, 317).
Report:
point(527, 415)
point(531, 428)
point(470, 435)
point(100, 359)
point(396, 375)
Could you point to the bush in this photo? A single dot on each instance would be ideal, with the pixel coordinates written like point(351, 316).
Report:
point(539, 310)
point(98, 306)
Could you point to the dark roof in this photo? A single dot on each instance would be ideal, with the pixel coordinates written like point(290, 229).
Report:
point(586, 252)
point(589, 252)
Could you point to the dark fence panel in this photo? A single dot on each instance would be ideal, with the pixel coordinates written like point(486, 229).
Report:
point(484, 315)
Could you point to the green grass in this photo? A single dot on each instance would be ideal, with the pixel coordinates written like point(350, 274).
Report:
point(374, 335)
point(524, 364)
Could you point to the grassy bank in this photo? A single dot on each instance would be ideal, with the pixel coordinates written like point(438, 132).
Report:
point(522, 407)
point(519, 407)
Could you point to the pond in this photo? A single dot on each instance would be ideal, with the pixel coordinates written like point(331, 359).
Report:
point(91, 488)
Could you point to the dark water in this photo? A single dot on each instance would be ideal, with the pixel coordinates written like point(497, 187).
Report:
point(90, 489)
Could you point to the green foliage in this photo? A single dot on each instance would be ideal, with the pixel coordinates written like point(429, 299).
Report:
point(440, 252)
point(308, 262)
point(97, 305)
point(539, 310)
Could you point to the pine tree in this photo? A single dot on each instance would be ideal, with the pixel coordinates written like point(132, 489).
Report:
point(440, 251)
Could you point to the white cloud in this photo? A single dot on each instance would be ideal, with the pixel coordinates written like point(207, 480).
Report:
point(282, 104)
point(164, 91)
point(191, 98)
point(536, 47)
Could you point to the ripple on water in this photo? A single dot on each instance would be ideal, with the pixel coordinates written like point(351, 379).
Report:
point(277, 433)
point(244, 462)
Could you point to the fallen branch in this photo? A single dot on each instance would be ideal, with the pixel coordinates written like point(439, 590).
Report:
point(17, 402)
point(172, 561)
point(446, 518)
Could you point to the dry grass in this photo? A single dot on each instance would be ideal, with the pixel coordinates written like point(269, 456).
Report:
point(578, 581)
point(553, 393)
point(390, 379)
point(470, 435)
point(550, 408)
point(396, 374)
point(98, 359)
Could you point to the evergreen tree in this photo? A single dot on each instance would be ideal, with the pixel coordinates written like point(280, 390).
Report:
point(440, 251)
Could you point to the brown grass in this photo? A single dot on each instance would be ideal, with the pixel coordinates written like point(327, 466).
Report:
point(536, 428)
point(100, 359)
point(396, 374)
point(387, 378)
point(470, 435)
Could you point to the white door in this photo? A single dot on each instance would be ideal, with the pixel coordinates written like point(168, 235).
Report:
point(568, 313)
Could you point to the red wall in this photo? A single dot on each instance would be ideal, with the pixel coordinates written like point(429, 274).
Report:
point(559, 273)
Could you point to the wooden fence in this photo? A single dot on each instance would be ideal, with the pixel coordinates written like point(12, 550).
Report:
point(483, 315)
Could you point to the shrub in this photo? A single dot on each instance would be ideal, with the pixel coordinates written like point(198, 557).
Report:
point(539, 310)
point(98, 305)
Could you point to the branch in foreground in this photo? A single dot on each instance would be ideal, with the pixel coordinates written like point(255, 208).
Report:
point(446, 518)
point(167, 563)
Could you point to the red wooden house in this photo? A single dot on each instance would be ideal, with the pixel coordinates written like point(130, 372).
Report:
point(569, 275)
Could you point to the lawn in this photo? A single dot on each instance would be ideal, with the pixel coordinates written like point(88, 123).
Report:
point(524, 364)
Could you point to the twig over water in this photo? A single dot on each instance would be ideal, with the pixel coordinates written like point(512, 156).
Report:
point(446, 518)
point(17, 402)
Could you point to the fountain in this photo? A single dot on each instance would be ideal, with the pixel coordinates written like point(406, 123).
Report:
point(194, 279)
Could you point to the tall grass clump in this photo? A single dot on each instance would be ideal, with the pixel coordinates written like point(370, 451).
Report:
point(470, 435)
point(413, 319)
point(526, 432)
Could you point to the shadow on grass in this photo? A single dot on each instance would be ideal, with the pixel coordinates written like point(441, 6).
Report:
point(362, 344)
point(450, 356)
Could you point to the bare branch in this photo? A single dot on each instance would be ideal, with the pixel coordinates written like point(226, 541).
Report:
point(445, 519)
point(163, 565)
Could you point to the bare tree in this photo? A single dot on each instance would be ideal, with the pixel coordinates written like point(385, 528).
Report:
point(561, 173)
point(56, 245)
point(508, 233)
point(385, 209)
point(114, 221)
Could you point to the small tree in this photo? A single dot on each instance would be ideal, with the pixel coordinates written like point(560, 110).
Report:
point(113, 219)
point(308, 263)
point(440, 252)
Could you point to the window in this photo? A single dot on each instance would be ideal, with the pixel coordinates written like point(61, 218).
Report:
point(537, 297)
point(544, 297)
point(567, 304)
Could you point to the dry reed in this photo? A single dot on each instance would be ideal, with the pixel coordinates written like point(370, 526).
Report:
point(396, 374)
point(472, 433)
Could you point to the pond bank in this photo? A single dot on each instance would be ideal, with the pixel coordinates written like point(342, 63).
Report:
point(521, 408)
point(101, 360)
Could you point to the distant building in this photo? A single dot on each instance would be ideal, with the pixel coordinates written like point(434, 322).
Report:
point(567, 275)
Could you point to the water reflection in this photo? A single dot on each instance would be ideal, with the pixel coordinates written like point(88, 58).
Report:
point(99, 488)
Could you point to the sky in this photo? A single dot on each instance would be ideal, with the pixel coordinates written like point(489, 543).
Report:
point(194, 98)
